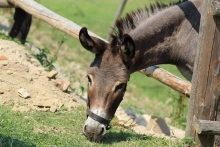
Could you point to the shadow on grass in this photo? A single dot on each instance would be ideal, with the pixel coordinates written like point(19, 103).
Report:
point(113, 137)
point(6, 141)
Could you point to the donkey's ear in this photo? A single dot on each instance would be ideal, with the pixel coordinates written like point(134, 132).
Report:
point(88, 42)
point(127, 49)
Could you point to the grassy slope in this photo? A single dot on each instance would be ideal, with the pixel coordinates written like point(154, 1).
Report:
point(62, 129)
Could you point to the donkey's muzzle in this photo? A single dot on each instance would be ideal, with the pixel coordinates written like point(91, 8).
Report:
point(93, 130)
point(96, 125)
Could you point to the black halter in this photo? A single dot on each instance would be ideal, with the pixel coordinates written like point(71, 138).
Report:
point(99, 119)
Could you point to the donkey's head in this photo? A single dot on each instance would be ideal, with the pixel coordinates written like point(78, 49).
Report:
point(107, 77)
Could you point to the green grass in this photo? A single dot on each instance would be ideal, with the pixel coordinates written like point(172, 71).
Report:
point(63, 129)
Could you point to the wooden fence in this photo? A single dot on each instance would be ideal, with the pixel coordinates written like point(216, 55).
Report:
point(204, 99)
point(205, 94)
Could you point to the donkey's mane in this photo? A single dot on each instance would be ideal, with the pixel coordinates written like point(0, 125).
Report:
point(135, 18)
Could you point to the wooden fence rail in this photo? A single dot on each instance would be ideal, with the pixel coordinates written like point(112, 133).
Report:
point(40, 12)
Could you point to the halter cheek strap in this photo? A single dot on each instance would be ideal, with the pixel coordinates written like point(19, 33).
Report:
point(99, 119)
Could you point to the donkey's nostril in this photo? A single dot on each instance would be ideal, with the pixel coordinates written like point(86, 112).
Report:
point(102, 131)
point(85, 129)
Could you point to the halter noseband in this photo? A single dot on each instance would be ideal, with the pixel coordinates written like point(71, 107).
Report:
point(99, 119)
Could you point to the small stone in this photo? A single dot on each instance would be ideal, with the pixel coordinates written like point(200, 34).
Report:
point(124, 118)
point(53, 108)
point(52, 74)
point(9, 72)
point(178, 133)
point(140, 120)
point(1, 91)
point(2, 57)
point(147, 117)
point(4, 62)
point(158, 125)
point(131, 113)
point(22, 93)
point(29, 78)
point(62, 84)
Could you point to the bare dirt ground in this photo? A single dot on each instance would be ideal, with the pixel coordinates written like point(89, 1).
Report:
point(21, 71)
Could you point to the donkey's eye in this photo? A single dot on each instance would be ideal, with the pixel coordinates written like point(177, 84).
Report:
point(89, 81)
point(119, 87)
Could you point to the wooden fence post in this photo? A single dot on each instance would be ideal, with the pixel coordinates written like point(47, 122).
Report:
point(204, 95)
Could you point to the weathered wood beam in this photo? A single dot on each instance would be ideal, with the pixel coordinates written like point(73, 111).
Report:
point(168, 79)
point(40, 12)
point(207, 127)
point(72, 29)
point(6, 4)
point(215, 8)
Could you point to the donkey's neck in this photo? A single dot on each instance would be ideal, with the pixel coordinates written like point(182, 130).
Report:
point(156, 40)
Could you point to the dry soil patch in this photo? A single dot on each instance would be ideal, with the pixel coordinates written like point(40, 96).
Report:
point(20, 70)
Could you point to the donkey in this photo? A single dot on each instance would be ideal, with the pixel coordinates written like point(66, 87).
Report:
point(159, 35)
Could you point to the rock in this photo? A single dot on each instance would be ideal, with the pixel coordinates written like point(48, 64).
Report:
point(44, 103)
point(1, 91)
point(53, 108)
point(177, 133)
point(147, 117)
point(62, 84)
point(131, 113)
point(22, 93)
point(158, 125)
point(29, 78)
point(2, 57)
point(124, 118)
point(4, 62)
point(9, 72)
point(140, 120)
point(168, 120)
point(52, 74)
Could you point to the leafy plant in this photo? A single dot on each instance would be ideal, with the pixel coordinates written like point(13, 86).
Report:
point(42, 58)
